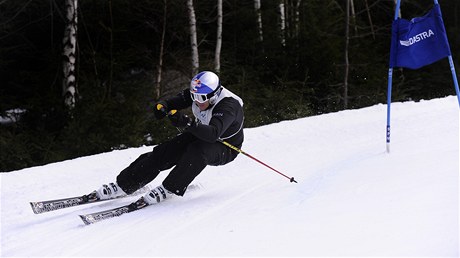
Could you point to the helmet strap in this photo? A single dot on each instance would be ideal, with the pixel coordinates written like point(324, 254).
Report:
point(214, 95)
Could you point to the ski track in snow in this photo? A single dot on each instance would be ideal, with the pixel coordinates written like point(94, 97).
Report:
point(352, 198)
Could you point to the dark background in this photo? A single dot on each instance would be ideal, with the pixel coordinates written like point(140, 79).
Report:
point(118, 52)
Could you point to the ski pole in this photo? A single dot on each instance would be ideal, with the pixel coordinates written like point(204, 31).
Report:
point(291, 179)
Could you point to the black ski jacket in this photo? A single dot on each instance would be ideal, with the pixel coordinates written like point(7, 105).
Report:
point(226, 121)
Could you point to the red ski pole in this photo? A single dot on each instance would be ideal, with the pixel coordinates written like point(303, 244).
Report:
point(291, 179)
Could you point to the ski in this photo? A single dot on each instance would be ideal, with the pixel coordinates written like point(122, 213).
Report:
point(52, 205)
point(92, 218)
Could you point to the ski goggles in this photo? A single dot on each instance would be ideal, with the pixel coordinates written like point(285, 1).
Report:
point(201, 98)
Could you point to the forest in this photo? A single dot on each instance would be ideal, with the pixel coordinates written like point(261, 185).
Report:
point(81, 77)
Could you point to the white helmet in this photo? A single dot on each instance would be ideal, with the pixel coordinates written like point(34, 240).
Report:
point(205, 86)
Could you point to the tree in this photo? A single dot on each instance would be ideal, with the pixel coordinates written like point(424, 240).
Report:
point(370, 19)
point(160, 59)
point(257, 6)
point(282, 23)
point(289, 19)
point(70, 90)
point(193, 40)
point(296, 8)
point(219, 36)
point(347, 64)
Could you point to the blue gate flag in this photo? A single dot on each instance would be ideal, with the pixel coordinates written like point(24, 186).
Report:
point(420, 41)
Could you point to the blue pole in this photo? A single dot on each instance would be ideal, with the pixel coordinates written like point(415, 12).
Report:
point(398, 6)
point(390, 84)
point(454, 78)
point(452, 69)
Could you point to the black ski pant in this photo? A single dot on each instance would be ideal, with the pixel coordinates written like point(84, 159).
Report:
point(187, 153)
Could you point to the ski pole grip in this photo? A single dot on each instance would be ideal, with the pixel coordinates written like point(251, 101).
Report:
point(231, 146)
point(160, 107)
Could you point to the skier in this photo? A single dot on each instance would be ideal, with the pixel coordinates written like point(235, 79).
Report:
point(218, 116)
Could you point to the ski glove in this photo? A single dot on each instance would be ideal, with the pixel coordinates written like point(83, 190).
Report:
point(181, 120)
point(160, 110)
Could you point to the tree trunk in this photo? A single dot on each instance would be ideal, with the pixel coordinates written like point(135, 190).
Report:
point(257, 6)
point(456, 15)
point(69, 83)
point(353, 16)
point(282, 23)
point(370, 19)
point(219, 36)
point(109, 85)
point(297, 20)
point(193, 40)
point(160, 59)
point(347, 65)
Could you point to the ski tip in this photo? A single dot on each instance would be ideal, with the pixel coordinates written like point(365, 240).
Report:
point(85, 219)
point(34, 206)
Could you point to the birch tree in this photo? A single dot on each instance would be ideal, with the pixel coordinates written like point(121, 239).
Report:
point(347, 65)
point(219, 36)
point(282, 22)
point(69, 84)
point(289, 11)
point(257, 6)
point(193, 38)
point(160, 59)
point(297, 19)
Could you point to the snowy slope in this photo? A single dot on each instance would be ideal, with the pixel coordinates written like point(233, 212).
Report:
point(352, 199)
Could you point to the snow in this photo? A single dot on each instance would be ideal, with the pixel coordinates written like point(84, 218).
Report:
point(12, 116)
point(352, 198)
